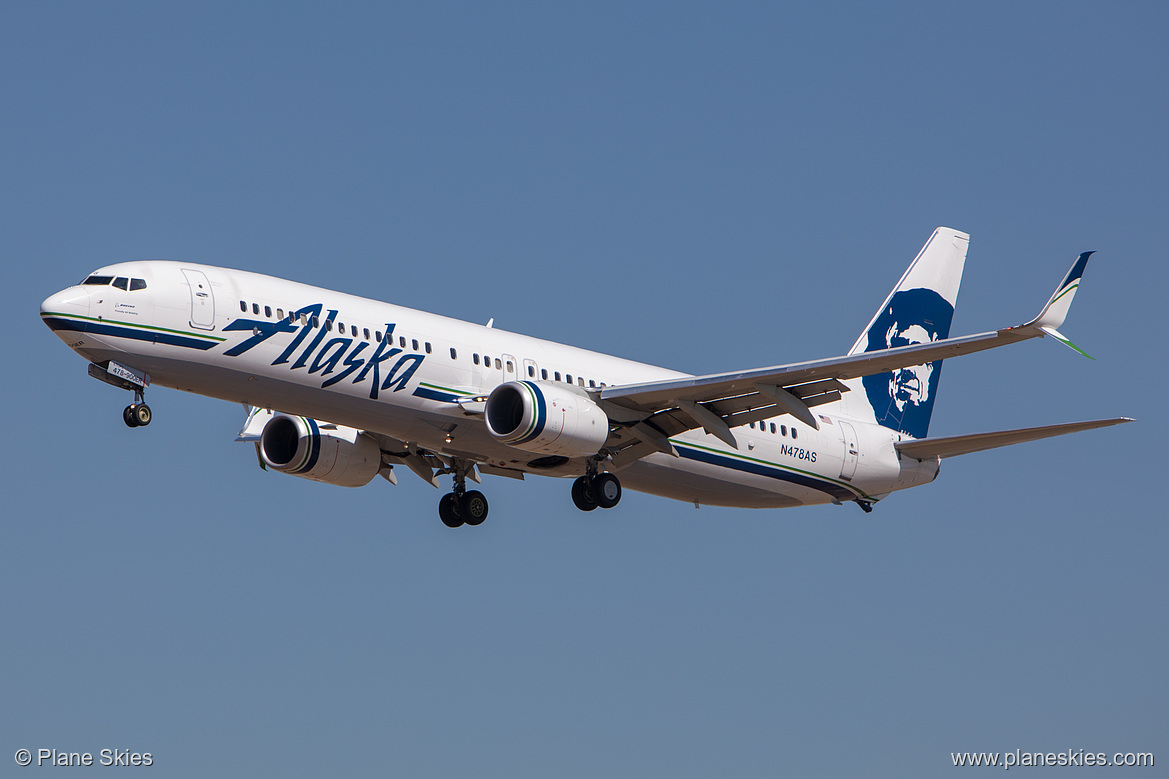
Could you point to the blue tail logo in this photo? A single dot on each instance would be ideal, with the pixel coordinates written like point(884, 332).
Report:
point(903, 400)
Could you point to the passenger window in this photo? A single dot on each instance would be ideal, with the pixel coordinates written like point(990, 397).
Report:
point(316, 321)
point(243, 306)
point(794, 433)
point(279, 313)
point(268, 311)
point(454, 355)
point(475, 358)
point(752, 425)
point(379, 335)
point(498, 365)
point(592, 383)
point(402, 341)
point(137, 284)
point(544, 374)
point(122, 283)
point(783, 430)
point(568, 377)
point(427, 345)
point(414, 344)
point(510, 367)
point(557, 375)
point(580, 381)
point(353, 330)
point(773, 428)
point(256, 309)
point(531, 372)
point(366, 331)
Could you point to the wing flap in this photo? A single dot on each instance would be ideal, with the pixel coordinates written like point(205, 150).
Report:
point(952, 446)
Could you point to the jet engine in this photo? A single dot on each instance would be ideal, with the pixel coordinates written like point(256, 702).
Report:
point(339, 455)
point(551, 419)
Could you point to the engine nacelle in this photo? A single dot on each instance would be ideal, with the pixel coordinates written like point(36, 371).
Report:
point(547, 418)
point(341, 456)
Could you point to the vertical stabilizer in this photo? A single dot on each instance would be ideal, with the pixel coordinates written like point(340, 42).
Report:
point(918, 310)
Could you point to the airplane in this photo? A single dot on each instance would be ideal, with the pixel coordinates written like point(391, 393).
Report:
point(340, 389)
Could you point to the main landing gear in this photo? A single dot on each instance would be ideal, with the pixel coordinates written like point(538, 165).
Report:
point(462, 506)
point(137, 414)
point(596, 489)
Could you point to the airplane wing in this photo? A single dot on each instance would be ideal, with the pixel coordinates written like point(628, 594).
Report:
point(952, 446)
point(651, 412)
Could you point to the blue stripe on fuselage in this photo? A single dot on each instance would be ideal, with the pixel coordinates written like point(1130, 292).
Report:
point(102, 328)
point(770, 471)
point(429, 394)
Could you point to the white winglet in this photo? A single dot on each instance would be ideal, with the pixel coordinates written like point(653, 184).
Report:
point(1056, 310)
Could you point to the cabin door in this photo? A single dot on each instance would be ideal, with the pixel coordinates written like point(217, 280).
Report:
point(202, 300)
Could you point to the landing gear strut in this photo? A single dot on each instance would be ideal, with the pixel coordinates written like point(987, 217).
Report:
point(462, 506)
point(596, 489)
point(137, 414)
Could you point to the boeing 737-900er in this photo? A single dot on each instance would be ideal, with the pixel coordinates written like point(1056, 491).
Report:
point(340, 389)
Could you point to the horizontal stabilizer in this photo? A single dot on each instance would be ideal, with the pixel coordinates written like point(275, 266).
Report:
point(952, 446)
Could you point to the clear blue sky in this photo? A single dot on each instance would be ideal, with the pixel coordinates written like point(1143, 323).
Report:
point(703, 186)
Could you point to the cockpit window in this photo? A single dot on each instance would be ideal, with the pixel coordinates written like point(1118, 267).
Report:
point(122, 282)
point(137, 284)
point(100, 281)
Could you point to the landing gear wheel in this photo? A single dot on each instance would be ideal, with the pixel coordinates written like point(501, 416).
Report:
point(473, 508)
point(448, 510)
point(142, 414)
point(583, 494)
point(607, 490)
point(129, 417)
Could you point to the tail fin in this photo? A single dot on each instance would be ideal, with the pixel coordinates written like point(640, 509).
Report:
point(918, 310)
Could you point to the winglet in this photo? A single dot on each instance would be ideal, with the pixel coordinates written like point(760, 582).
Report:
point(1052, 317)
point(1056, 310)
point(1063, 339)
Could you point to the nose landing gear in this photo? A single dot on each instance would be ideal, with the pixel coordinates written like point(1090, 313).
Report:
point(137, 414)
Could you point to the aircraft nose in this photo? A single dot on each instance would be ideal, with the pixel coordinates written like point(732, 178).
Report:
point(73, 301)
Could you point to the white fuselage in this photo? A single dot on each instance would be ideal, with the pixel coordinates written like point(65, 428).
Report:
point(228, 334)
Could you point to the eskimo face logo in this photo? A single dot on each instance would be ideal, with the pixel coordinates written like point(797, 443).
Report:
point(909, 385)
point(904, 399)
